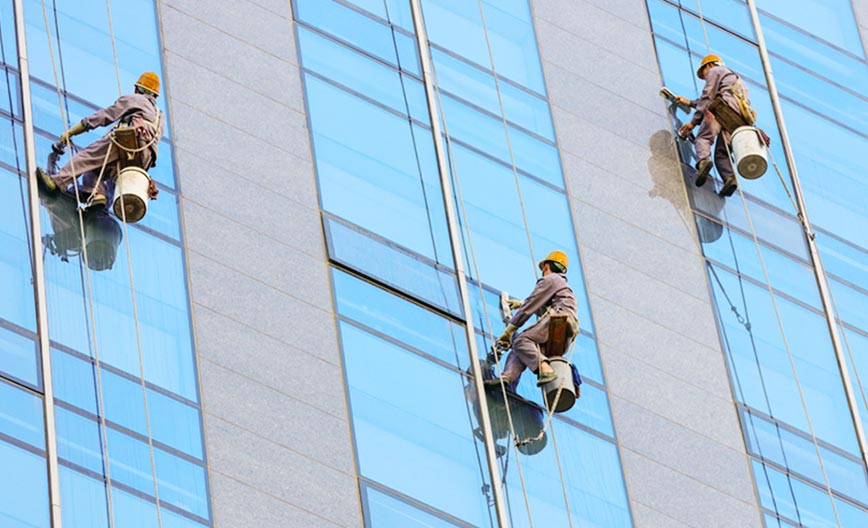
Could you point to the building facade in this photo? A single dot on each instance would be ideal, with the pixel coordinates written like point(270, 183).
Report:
point(292, 335)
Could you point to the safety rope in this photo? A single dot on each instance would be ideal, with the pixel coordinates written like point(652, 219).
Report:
point(475, 263)
point(786, 345)
point(96, 354)
point(106, 463)
point(704, 29)
point(133, 286)
point(15, 141)
point(432, 236)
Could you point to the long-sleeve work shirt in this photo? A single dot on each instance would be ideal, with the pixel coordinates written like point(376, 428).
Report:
point(136, 110)
point(717, 80)
point(551, 291)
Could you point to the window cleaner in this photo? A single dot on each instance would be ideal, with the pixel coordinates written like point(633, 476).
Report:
point(102, 234)
point(554, 302)
point(723, 114)
point(122, 157)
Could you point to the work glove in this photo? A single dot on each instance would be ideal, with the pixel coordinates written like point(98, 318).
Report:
point(152, 190)
point(74, 130)
point(514, 303)
point(505, 339)
point(681, 100)
point(686, 129)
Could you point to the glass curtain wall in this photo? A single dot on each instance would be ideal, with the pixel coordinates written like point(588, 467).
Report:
point(108, 355)
point(798, 431)
point(421, 461)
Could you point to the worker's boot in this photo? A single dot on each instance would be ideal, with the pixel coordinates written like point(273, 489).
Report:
point(703, 167)
point(729, 186)
point(45, 180)
point(97, 202)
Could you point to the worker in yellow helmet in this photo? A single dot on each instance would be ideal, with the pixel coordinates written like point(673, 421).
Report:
point(724, 84)
point(550, 297)
point(138, 110)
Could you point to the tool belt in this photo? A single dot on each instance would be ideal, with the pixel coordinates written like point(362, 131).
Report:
point(728, 117)
point(128, 141)
point(563, 328)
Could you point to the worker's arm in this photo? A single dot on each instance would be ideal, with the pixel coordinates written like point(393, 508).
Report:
point(538, 298)
point(109, 114)
point(709, 91)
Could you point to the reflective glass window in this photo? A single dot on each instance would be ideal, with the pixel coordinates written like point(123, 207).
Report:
point(18, 357)
point(415, 423)
point(393, 266)
point(16, 304)
point(83, 499)
point(376, 171)
point(21, 416)
point(78, 440)
point(23, 489)
point(830, 20)
point(385, 510)
point(400, 319)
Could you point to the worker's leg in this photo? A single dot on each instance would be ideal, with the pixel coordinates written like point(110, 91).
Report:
point(90, 158)
point(705, 137)
point(721, 157)
point(106, 185)
point(526, 346)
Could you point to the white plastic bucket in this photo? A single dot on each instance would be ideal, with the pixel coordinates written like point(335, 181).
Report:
point(560, 394)
point(131, 202)
point(750, 154)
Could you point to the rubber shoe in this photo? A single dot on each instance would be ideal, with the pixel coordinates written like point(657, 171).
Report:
point(97, 202)
point(729, 186)
point(703, 167)
point(496, 381)
point(44, 180)
point(546, 377)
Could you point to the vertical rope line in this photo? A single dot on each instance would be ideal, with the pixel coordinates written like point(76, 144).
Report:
point(704, 30)
point(506, 133)
point(787, 346)
point(476, 271)
point(133, 291)
point(96, 354)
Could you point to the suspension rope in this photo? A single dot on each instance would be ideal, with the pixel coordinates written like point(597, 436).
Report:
point(418, 161)
point(133, 284)
point(704, 29)
point(61, 97)
point(89, 284)
point(787, 346)
point(475, 263)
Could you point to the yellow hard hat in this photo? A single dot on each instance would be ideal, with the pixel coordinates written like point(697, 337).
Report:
point(556, 256)
point(707, 60)
point(150, 82)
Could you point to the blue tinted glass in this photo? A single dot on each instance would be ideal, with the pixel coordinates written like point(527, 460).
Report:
point(83, 499)
point(133, 511)
point(369, 172)
point(16, 303)
point(182, 483)
point(457, 26)
point(400, 319)
point(799, 455)
point(472, 127)
point(513, 42)
point(527, 110)
point(396, 11)
point(793, 498)
point(23, 489)
point(79, 440)
point(351, 27)
point(18, 357)
point(73, 381)
point(384, 510)
point(536, 157)
point(175, 424)
point(411, 424)
point(393, 266)
point(12, 146)
point(763, 346)
point(21, 415)
point(830, 20)
point(9, 85)
point(359, 73)
point(163, 215)
point(829, 162)
point(844, 260)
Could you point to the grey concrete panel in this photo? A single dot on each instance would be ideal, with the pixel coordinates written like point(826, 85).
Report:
point(596, 25)
point(683, 450)
point(695, 364)
point(628, 10)
point(617, 282)
point(686, 500)
point(229, 57)
point(645, 517)
point(236, 105)
point(658, 205)
point(597, 65)
point(237, 151)
point(285, 474)
point(292, 218)
point(608, 110)
point(283, 420)
point(290, 370)
point(654, 390)
point(263, 308)
point(644, 251)
point(299, 273)
point(240, 20)
point(241, 506)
